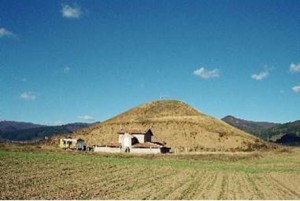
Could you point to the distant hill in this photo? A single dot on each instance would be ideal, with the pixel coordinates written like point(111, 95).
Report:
point(286, 134)
point(11, 126)
point(254, 127)
point(176, 123)
point(20, 131)
point(286, 128)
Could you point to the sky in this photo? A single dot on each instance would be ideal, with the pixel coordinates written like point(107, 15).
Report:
point(67, 61)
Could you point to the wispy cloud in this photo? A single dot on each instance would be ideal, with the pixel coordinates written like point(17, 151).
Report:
point(5, 33)
point(70, 12)
point(206, 74)
point(67, 69)
point(296, 89)
point(295, 68)
point(21, 79)
point(28, 96)
point(87, 118)
point(261, 75)
point(54, 123)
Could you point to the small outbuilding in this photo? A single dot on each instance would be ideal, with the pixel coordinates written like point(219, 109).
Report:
point(69, 143)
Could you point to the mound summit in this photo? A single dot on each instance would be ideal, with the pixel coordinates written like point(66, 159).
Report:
point(176, 123)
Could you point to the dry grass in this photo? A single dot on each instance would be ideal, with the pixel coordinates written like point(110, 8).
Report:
point(29, 172)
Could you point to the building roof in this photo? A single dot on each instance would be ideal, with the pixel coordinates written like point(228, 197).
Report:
point(110, 145)
point(135, 131)
point(147, 145)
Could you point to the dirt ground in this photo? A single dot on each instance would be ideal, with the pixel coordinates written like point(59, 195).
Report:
point(31, 174)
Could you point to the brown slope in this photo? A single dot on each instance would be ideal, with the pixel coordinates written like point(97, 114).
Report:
point(178, 124)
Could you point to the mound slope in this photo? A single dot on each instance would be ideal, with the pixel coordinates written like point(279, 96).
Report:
point(176, 123)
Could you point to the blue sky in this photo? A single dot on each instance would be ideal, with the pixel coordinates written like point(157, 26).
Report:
point(68, 61)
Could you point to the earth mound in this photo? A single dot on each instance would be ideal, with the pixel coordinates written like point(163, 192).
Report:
point(182, 127)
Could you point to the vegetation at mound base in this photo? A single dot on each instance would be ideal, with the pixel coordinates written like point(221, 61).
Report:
point(31, 172)
point(182, 127)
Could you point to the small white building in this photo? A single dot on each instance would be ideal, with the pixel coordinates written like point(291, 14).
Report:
point(134, 141)
point(127, 138)
point(140, 136)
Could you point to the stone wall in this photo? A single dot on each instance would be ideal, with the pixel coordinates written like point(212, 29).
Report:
point(145, 150)
point(108, 149)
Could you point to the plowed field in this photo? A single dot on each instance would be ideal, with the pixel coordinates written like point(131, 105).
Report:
point(37, 174)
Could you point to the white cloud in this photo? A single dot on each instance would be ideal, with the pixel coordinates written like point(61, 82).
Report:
point(87, 118)
point(71, 12)
point(21, 79)
point(54, 123)
point(260, 76)
point(5, 33)
point(296, 89)
point(295, 68)
point(28, 96)
point(206, 74)
point(67, 69)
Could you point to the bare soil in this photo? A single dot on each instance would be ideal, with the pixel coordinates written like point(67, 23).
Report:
point(38, 173)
